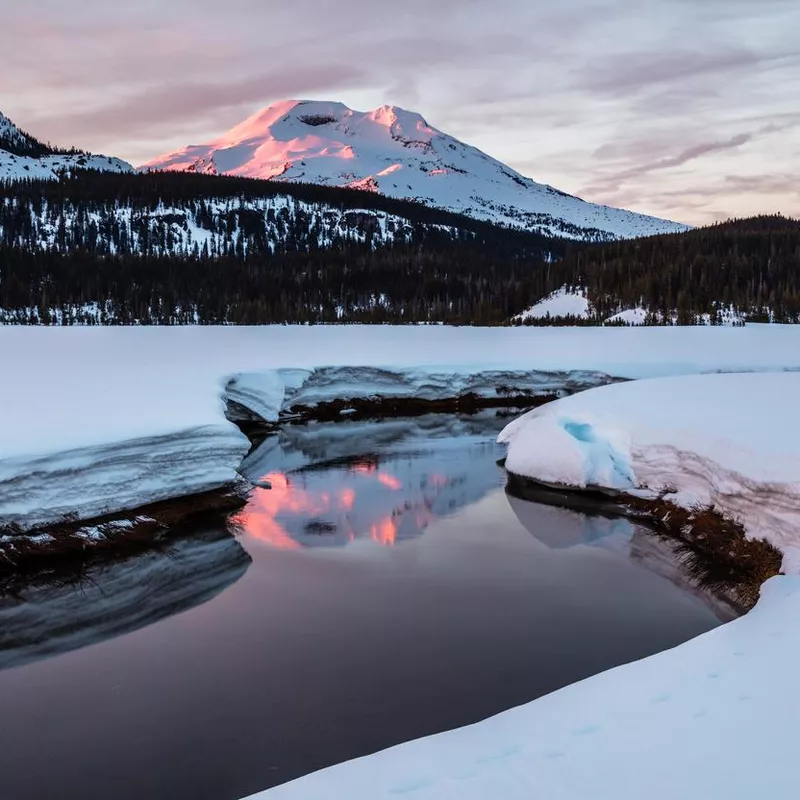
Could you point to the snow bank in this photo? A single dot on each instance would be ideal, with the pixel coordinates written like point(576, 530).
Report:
point(727, 441)
point(102, 419)
point(102, 479)
point(274, 393)
point(676, 725)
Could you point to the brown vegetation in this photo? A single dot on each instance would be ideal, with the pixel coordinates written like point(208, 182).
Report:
point(379, 407)
point(112, 534)
point(716, 551)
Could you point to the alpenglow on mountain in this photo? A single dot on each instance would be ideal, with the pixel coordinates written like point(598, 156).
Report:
point(22, 157)
point(397, 153)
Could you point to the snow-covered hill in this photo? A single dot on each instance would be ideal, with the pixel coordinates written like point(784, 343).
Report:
point(571, 304)
point(397, 153)
point(15, 168)
point(13, 140)
point(568, 301)
point(23, 157)
point(208, 227)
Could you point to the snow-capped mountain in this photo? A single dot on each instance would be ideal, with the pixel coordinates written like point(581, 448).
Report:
point(397, 153)
point(24, 157)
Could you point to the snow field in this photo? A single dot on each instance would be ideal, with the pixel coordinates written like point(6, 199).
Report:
point(563, 302)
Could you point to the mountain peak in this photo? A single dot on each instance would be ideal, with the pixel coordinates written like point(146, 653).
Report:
point(396, 152)
point(309, 112)
point(296, 118)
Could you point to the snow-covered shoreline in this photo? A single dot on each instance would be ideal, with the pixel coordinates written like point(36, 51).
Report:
point(676, 724)
point(725, 442)
point(96, 420)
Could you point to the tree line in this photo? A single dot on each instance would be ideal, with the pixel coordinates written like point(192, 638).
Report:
point(748, 266)
point(173, 248)
point(177, 248)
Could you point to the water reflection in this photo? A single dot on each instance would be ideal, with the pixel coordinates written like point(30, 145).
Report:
point(325, 494)
point(386, 482)
point(559, 528)
point(563, 529)
point(386, 499)
point(299, 446)
point(317, 656)
point(59, 612)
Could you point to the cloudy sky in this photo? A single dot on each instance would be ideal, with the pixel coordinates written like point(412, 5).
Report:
point(688, 109)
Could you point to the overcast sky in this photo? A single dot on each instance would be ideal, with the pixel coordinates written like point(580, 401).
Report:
point(687, 109)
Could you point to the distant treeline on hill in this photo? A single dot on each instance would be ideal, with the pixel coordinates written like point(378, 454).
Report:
point(751, 265)
point(173, 248)
point(177, 248)
point(19, 143)
point(149, 191)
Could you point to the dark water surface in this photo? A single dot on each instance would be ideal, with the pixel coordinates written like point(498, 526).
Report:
point(386, 588)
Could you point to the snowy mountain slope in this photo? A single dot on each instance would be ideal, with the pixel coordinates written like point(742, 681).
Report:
point(397, 153)
point(211, 226)
point(13, 140)
point(24, 158)
point(15, 168)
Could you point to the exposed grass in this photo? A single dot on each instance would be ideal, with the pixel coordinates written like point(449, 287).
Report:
point(717, 551)
point(136, 529)
point(508, 399)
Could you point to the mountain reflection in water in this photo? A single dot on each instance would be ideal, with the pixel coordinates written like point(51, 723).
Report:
point(325, 494)
point(387, 498)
